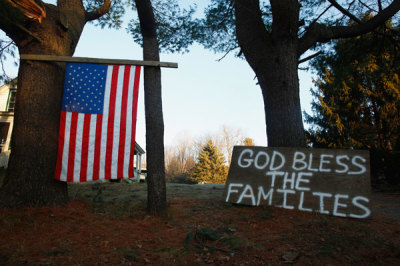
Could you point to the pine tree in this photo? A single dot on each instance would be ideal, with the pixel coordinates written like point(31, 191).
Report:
point(210, 166)
point(357, 99)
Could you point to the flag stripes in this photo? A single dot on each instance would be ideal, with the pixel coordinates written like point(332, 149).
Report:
point(97, 145)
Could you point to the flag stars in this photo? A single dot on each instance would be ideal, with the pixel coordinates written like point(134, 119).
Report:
point(84, 88)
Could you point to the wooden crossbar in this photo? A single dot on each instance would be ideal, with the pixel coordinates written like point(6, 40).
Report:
point(37, 57)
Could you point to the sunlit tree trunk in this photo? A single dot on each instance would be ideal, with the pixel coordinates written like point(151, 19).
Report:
point(30, 176)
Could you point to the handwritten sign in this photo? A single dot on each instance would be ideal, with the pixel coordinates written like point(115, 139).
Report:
point(333, 182)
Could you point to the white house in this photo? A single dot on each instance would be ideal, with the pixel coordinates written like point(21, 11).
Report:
point(7, 102)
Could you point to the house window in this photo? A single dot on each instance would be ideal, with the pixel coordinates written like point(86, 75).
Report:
point(11, 100)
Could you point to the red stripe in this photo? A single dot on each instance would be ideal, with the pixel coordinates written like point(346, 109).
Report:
point(122, 134)
point(96, 162)
point(85, 147)
point(110, 126)
point(134, 113)
point(61, 139)
point(72, 146)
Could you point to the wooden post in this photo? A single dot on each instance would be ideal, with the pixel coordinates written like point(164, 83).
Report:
point(54, 58)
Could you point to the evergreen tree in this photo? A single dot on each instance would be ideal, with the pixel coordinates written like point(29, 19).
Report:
point(357, 99)
point(210, 166)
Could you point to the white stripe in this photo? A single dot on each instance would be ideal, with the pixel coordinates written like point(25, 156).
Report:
point(129, 132)
point(103, 144)
point(78, 147)
point(117, 122)
point(64, 165)
point(92, 136)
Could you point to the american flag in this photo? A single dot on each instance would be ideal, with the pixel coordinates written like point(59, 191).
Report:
point(98, 122)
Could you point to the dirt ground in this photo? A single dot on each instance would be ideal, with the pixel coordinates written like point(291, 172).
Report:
point(107, 224)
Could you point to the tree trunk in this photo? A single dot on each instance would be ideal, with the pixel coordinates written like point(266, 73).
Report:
point(30, 176)
point(273, 57)
point(280, 88)
point(156, 188)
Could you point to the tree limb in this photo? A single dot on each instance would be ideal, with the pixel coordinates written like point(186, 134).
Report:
point(230, 50)
point(305, 59)
point(248, 16)
point(228, 12)
point(30, 8)
point(89, 16)
point(321, 33)
point(368, 7)
point(344, 11)
point(380, 5)
point(316, 19)
point(17, 25)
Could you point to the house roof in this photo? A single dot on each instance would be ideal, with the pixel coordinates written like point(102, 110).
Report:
point(139, 149)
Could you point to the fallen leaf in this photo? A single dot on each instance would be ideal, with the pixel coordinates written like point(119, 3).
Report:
point(290, 256)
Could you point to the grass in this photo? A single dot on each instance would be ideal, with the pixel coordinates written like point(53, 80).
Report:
point(107, 224)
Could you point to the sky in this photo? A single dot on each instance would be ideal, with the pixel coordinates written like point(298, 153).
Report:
point(200, 96)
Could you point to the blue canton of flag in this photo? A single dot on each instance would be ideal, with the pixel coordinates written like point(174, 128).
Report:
point(84, 88)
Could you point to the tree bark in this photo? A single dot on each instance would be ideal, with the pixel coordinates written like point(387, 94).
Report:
point(30, 176)
point(273, 57)
point(156, 194)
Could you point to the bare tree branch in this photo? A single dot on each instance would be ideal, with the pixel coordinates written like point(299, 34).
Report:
point(368, 7)
point(344, 11)
point(316, 19)
point(380, 5)
point(98, 12)
point(321, 33)
point(228, 52)
point(305, 59)
point(228, 12)
point(3, 49)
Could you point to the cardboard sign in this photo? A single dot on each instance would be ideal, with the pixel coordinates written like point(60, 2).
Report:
point(334, 182)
